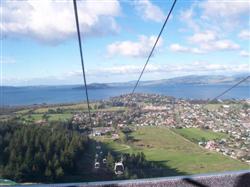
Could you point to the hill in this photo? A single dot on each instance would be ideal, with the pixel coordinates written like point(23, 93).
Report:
point(191, 79)
point(94, 86)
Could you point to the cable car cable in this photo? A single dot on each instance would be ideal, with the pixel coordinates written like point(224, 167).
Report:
point(151, 52)
point(229, 89)
point(82, 61)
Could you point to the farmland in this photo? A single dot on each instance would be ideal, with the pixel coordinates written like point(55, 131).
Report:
point(172, 150)
point(196, 135)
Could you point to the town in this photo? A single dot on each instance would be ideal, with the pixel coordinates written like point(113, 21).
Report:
point(230, 117)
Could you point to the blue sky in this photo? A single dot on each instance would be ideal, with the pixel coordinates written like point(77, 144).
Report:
point(39, 43)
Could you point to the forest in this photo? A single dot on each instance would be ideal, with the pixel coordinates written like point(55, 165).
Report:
point(39, 153)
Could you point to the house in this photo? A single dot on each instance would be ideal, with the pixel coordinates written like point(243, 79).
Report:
point(211, 145)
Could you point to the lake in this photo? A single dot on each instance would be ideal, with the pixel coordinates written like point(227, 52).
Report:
point(14, 96)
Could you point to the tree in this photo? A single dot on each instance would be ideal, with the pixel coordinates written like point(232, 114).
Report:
point(110, 161)
point(59, 172)
point(48, 172)
point(45, 117)
point(126, 173)
point(95, 106)
point(203, 139)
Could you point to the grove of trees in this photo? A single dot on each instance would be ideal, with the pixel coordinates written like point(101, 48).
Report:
point(36, 153)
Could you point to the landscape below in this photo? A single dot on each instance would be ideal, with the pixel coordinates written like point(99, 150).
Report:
point(152, 135)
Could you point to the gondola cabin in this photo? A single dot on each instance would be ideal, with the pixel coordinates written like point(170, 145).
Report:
point(97, 165)
point(119, 168)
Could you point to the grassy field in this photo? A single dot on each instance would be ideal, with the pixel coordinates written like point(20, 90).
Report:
point(70, 108)
point(60, 117)
point(162, 145)
point(23, 111)
point(81, 106)
point(213, 107)
point(66, 112)
point(196, 135)
point(33, 117)
point(51, 117)
point(62, 112)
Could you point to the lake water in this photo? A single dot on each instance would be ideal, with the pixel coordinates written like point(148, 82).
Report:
point(66, 94)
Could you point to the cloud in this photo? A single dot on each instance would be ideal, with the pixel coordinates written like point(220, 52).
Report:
point(54, 22)
point(201, 37)
point(131, 72)
point(224, 9)
point(7, 60)
point(140, 48)
point(244, 53)
point(179, 48)
point(219, 45)
point(220, 15)
point(206, 47)
point(225, 14)
point(244, 34)
point(207, 41)
point(149, 11)
point(192, 68)
point(114, 70)
point(212, 23)
point(187, 16)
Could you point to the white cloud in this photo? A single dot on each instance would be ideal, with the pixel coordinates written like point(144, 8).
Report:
point(149, 11)
point(244, 53)
point(140, 48)
point(7, 60)
point(244, 34)
point(204, 42)
point(212, 22)
point(209, 41)
point(187, 16)
point(201, 37)
point(178, 48)
point(197, 50)
point(224, 9)
point(53, 21)
point(125, 69)
point(205, 45)
point(219, 45)
point(222, 16)
point(184, 49)
point(131, 72)
point(114, 70)
point(192, 68)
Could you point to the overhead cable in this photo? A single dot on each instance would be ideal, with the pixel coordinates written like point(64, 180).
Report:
point(151, 52)
point(82, 61)
point(227, 90)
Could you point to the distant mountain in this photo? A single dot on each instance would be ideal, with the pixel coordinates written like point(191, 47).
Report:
point(94, 86)
point(10, 88)
point(192, 79)
point(199, 80)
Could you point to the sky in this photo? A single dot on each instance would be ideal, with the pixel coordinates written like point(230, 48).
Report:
point(39, 43)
